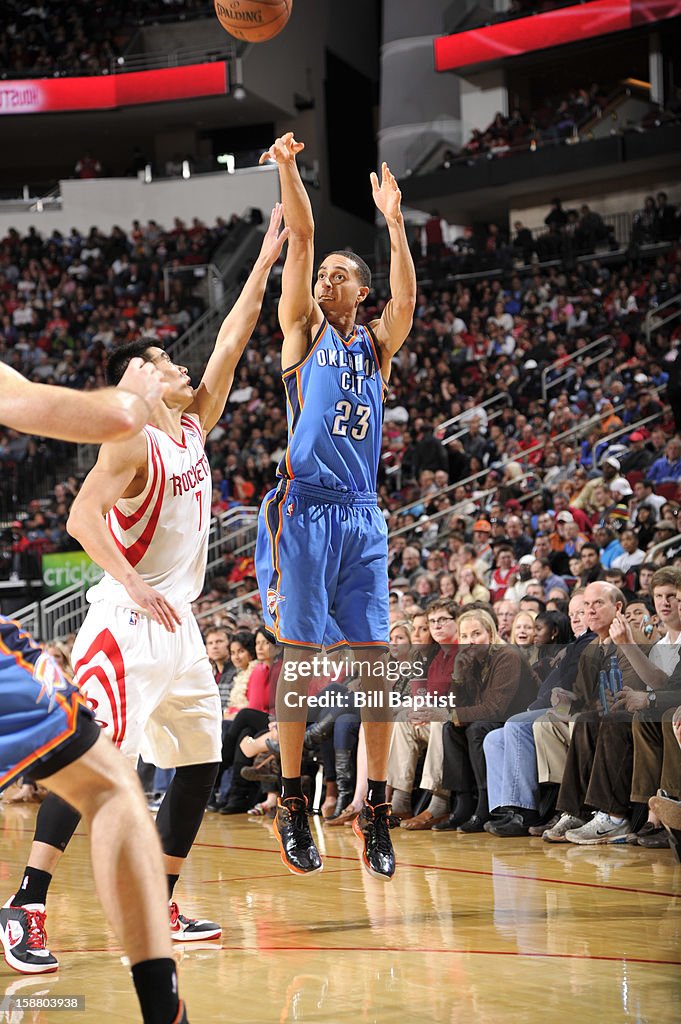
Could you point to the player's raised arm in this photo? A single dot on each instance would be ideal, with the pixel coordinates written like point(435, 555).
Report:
point(237, 328)
point(111, 414)
point(396, 320)
point(297, 308)
point(111, 477)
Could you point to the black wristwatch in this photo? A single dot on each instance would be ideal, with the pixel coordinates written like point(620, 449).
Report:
point(652, 699)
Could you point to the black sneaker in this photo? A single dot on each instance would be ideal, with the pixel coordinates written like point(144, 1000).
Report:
point(23, 936)
point(372, 826)
point(292, 829)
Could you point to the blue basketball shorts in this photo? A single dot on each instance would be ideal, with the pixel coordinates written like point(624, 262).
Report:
point(322, 565)
point(41, 716)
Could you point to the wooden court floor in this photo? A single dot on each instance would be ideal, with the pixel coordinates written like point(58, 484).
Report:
point(472, 930)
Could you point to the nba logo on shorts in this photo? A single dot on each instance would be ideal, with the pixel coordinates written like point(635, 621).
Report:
point(134, 618)
point(273, 599)
point(290, 508)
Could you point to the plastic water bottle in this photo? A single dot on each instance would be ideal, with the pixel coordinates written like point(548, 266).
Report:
point(602, 690)
point(615, 675)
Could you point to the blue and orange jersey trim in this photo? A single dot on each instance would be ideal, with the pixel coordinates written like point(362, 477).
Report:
point(376, 348)
point(301, 362)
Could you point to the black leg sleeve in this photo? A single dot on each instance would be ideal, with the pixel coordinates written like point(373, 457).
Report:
point(181, 812)
point(56, 822)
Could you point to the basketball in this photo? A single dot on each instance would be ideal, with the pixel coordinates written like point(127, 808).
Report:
point(255, 21)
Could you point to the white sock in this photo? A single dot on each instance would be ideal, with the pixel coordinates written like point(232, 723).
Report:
point(438, 806)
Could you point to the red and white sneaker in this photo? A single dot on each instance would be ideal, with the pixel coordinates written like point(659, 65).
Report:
point(187, 929)
point(24, 939)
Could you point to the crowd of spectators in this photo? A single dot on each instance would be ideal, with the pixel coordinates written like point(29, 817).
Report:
point(471, 341)
point(560, 119)
point(67, 299)
point(557, 119)
point(504, 519)
point(568, 234)
point(658, 221)
point(566, 691)
point(51, 39)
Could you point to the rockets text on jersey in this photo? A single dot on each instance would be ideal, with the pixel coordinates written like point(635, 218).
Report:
point(163, 532)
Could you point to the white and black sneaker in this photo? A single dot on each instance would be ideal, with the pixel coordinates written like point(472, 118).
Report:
point(187, 929)
point(24, 940)
point(601, 830)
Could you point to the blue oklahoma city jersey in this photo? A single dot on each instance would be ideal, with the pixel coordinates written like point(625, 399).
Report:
point(322, 552)
point(37, 705)
point(334, 405)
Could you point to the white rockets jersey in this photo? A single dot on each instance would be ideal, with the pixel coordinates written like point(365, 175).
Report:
point(163, 532)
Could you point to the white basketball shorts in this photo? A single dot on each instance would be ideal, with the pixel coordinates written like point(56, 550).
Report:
point(153, 692)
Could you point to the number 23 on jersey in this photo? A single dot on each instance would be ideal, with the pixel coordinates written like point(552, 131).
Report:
point(351, 422)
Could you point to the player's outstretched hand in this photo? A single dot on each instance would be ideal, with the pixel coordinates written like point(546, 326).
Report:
point(387, 195)
point(153, 603)
point(273, 241)
point(144, 380)
point(283, 150)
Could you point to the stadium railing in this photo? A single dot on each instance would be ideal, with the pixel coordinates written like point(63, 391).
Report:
point(193, 347)
point(233, 533)
point(583, 427)
point(60, 614)
point(650, 322)
point(662, 546)
point(29, 618)
point(230, 606)
point(568, 360)
point(604, 442)
point(442, 428)
point(423, 523)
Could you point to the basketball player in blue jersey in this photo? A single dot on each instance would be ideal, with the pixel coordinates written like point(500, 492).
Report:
point(47, 732)
point(321, 555)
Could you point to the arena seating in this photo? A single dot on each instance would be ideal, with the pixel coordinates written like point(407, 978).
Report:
point(65, 300)
point(517, 335)
point(45, 40)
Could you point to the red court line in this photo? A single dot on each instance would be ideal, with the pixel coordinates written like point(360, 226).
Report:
point(471, 871)
point(541, 878)
point(409, 949)
point(456, 952)
point(458, 871)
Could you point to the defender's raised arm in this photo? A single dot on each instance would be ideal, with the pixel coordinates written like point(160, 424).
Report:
point(237, 328)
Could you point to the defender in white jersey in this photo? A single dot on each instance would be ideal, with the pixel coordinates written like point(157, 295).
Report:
point(143, 515)
point(155, 694)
